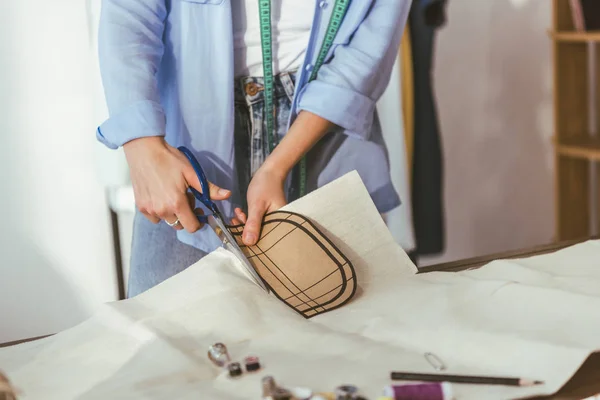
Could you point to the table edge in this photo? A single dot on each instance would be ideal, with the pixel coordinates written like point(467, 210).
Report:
point(476, 262)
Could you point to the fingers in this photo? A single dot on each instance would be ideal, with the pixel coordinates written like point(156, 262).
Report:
point(146, 209)
point(185, 214)
point(161, 176)
point(174, 222)
point(151, 217)
point(235, 221)
point(191, 199)
point(240, 216)
point(176, 208)
point(216, 192)
point(277, 204)
point(253, 224)
point(199, 211)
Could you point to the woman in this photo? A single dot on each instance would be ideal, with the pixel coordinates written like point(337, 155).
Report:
point(191, 72)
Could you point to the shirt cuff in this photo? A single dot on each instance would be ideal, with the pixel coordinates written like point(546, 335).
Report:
point(141, 119)
point(343, 107)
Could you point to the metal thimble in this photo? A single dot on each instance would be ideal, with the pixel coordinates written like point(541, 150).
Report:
point(218, 354)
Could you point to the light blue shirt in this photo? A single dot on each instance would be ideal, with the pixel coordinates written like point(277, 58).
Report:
point(167, 70)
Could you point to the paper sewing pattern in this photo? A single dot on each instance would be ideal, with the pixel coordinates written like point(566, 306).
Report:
point(299, 264)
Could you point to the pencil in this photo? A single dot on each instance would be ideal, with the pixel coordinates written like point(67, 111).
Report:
point(484, 380)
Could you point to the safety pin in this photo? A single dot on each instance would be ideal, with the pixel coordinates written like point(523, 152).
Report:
point(435, 361)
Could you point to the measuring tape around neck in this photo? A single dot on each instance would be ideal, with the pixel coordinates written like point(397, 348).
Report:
point(266, 39)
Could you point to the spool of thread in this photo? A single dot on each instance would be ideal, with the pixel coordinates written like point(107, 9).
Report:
point(323, 396)
point(268, 386)
point(346, 392)
point(301, 393)
point(419, 391)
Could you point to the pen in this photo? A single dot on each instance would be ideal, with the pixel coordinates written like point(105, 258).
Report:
point(485, 380)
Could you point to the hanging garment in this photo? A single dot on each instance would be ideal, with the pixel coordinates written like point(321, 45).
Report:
point(425, 17)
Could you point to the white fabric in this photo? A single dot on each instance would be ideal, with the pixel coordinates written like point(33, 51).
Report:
point(290, 31)
point(536, 318)
point(389, 109)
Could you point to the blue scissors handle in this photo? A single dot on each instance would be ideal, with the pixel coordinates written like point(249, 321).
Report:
point(204, 197)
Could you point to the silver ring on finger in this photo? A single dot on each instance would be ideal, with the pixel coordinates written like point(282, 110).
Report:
point(172, 224)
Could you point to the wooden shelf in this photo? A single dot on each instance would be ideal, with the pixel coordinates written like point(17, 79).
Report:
point(587, 148)
point(575, 105)
point(573, 36)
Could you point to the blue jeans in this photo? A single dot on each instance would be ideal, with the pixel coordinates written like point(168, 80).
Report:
point(251, 148)
point(156, 253)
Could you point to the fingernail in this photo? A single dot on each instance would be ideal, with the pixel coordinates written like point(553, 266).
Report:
point(249, 238)
point(223, 192)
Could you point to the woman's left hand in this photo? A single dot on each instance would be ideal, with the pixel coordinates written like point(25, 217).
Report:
point(265, 194)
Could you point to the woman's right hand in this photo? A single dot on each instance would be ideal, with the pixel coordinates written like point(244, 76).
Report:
point(160, 175)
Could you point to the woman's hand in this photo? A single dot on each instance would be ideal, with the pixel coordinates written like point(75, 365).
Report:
point(161, 175)
point(265, 194)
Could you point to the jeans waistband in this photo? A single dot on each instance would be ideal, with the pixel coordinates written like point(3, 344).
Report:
point(250, 90)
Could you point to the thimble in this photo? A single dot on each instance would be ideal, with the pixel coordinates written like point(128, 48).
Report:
point(217, 353)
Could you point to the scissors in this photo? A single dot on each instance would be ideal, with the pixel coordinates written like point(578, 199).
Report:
point(216, 220)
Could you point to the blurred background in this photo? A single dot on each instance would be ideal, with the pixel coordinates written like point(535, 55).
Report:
point(492, 90)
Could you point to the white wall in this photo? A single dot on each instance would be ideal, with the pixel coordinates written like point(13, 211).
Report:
point(56, 262)
point(493, 82)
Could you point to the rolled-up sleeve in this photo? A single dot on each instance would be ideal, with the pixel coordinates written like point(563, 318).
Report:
point(348, 86)
point(130, 49)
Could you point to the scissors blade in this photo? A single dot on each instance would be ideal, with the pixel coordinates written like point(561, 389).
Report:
point(230, 243)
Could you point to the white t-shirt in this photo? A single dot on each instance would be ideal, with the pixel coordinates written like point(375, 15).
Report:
point(291, 22)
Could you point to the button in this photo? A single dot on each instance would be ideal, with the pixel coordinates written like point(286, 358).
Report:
point(309, 67)
point(235, 369)
point(323, 4)
point(252, 89)
point(252, 364)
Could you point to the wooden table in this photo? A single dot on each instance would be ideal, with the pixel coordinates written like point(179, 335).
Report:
point(587, 380)
point(477, 262)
